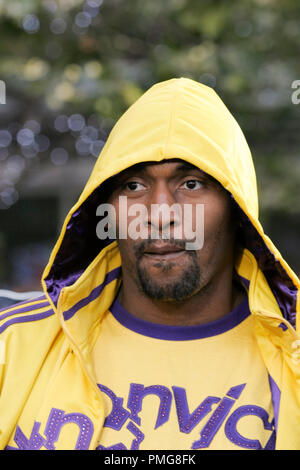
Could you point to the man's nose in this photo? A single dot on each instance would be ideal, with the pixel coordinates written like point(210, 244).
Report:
point(163, 212)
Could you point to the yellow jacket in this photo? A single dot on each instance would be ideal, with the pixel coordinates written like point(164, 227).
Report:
point(49, 396)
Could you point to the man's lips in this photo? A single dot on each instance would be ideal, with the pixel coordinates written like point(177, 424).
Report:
point(165, 251)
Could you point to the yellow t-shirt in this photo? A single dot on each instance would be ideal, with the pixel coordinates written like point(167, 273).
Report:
point(190, 387)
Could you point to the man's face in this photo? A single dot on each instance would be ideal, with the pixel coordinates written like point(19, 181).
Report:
point(163, 268)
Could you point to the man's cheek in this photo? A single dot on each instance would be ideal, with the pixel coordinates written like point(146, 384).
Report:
point(194, 226)
point(128, 255)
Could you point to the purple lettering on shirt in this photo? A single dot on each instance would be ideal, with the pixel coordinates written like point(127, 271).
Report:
point(186, 420)
point(210, 429)
point(135, 445)
point(35, 442)
point(57, 419)
point(118, 414)
point(231, 426)
point(135, 398)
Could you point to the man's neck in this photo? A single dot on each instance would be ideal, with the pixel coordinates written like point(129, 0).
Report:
point(214, 300)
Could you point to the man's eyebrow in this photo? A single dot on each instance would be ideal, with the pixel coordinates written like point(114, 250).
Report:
point(185, 166)
point(141, 168)
point(138, 168)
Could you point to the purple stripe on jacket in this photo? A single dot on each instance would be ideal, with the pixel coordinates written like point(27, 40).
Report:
point(26, 318)
point(276, 395)
point(28, 308)
point(25, 302)
point(111, 276)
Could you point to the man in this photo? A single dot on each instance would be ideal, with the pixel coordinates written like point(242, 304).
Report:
point(156, 332)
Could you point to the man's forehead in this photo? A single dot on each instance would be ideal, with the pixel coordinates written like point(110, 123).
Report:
point(175, 164)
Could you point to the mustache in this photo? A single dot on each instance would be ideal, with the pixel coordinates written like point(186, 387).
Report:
point(144, 245)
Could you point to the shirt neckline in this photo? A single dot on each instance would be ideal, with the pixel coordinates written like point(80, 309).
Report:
point(180, 333)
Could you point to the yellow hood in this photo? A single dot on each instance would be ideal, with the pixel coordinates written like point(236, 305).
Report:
point(178, 118)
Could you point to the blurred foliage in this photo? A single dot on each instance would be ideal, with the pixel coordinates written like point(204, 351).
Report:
point(91, 59)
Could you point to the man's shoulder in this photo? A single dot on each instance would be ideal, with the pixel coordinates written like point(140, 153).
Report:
point(29, 336)
point(25, 313)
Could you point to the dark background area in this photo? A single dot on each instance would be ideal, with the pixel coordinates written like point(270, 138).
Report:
point(70, 69)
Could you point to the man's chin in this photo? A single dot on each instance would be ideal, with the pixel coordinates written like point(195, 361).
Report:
point(168, 283)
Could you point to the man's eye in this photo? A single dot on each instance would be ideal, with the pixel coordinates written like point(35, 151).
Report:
point(134, 186)
point(192, 184)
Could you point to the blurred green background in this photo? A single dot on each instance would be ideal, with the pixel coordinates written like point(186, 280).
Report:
point(70, 68)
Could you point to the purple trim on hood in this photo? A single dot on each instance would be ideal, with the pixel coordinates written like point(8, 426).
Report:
point(282, 286)
point(283, 326)
point(245, 282)
point(79, 247)
point(180, 333)
point(111, 276)
point(26, 318)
